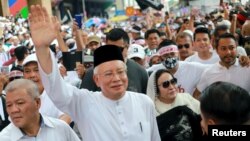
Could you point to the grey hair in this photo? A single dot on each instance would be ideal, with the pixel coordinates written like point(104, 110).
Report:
point(30, 87)
point(97, 67)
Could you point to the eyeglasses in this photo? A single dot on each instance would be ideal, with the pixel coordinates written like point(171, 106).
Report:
point(166, 84)
point(185, 45)
point(110, 75)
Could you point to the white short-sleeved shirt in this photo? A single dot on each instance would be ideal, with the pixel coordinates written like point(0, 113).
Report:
point(188, 74)
point(195, 58)
point(131, 118)
point(236, 74)
point(51, 130)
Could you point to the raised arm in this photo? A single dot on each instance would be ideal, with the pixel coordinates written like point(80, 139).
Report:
point(43, 32)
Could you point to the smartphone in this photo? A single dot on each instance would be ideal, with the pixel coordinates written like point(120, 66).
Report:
point(78, 19)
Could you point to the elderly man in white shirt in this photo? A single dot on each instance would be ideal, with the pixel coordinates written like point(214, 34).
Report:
point(27, 124)
point(112, 114)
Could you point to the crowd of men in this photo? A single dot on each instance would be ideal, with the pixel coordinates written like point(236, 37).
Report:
point(111, 92)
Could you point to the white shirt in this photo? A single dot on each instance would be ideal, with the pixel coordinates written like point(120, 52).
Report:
point(130, 118)
point(1, 110)
point(188, 74)
point(48, 108)
point(51, 130)
point(235, 74)
point(212, 60)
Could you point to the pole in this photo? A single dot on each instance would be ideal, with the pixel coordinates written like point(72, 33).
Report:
point(84, 10)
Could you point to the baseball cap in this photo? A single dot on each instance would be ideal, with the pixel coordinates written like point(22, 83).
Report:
point(93, 38)
point(30, 58)
point(136, 50)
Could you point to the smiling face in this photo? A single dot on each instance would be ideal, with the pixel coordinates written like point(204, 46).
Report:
point(31, 72)
point(22, 108)
point(167, 93)
point(111, 77)
point(202, 42)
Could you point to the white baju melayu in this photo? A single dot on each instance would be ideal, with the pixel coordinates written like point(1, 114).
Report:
point(130, 118)
point(48, 108)
point(235, 74)
point(51, 129)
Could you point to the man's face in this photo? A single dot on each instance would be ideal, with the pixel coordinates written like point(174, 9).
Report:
point(93, 45)
point(185, 47)
point(227, 51)
point(31, 72)
point(21, 107)
point(153, 41)
point(112, 78)
point(120, 43)
point(202, 42)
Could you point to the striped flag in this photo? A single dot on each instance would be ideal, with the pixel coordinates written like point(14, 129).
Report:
point(18, 7)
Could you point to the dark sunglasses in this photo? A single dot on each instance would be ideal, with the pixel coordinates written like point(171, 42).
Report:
point(166, 84)
point(185, 45)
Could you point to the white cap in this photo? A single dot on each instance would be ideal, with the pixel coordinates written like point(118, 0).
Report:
point(30, 58)
point(136, 50)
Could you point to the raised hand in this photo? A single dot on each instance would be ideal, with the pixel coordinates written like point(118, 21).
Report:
point(42, 29)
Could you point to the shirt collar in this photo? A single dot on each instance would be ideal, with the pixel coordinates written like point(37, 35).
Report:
point(114, 102)
point(236, 64)
point(17, 133)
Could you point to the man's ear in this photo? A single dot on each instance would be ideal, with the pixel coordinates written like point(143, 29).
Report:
point(96, 79)
point(38, 102)
point(211, 122)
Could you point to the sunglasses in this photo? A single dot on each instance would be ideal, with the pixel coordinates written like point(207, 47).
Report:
point(185, 45)
point(166, 84)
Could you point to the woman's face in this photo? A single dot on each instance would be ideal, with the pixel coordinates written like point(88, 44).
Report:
point(167, 88)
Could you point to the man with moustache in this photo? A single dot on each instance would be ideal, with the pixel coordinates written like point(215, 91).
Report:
point(228, 69)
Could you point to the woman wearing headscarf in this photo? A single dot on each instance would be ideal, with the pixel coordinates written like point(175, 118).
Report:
point(177, 113)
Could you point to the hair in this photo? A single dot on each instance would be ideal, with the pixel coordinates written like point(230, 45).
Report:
point(166, 42)
point(202, 30)
point(163, 34)
point(30, 87)
point(226, 103)
point(117, 34)
point(224, 36)
point(97, 68)
point(220, 28)
point(151, 31)
point(183, 35)
point(20, 52)
point(157, 76)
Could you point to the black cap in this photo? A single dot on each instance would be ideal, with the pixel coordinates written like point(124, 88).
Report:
point(107, 53)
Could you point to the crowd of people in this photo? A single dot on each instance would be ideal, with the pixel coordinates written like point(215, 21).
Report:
point(161, 78)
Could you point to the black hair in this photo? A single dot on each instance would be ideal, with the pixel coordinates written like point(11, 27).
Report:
point(202, 30)
point(226, 103)
point(157, 76)
point(166, 42)
point(223, 36)
point(151, 31)
point(220, 28)
point(20, 52)
point(116, 34)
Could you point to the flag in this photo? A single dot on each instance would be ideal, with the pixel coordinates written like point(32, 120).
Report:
point(18, 7)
